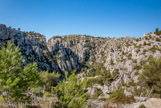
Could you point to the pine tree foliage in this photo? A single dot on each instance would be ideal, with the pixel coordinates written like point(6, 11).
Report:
point(15, 80)
point(47, 81)
point(157, 31)
point(151, 76)
point(71, 92)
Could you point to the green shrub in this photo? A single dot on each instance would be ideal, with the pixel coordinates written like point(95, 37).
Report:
point(138, 50)
point(118, 96)
point(135, 61)
point(38, 39)
point(150, 36)
point(93, 81)
point(129, 56)
point(48, 80)
point(136, 73)
point(146, 38)
point(118, 47)
point(143, 62)
point(115, 73)
point(29, 58)
point(47, 94)
point(111, 62)
point(151, 77)
point(15, 78)
point(157, 39)
point(139, 46)
point(136, 92)
point(137, 67)
point(144, 43)
point(142, 91)
point(123, 83)
point(153, 49)
point(103, 99)
point(144, 51)
point(157, 31)
point(156, 95)
point(149, 44)
point(132, 83)
point(142, 106)
point(128, 45)
point(123, 53)
point(98, 92)
point(137, 39)
point(71, 93)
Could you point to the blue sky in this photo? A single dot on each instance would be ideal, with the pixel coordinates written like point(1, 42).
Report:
point(104, 18)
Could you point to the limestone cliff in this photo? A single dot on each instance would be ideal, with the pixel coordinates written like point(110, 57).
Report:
point(32, 45)
point(123, 57)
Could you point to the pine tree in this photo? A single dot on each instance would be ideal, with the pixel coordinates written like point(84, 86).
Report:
point(15, 79)
point(71, 92)
point(156, 30)
point(151, 76)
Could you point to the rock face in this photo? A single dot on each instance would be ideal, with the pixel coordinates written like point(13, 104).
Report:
point(122, 56)
point(70, 51)
point(32, 46)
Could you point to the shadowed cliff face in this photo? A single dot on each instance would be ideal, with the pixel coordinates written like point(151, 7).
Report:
point(123, 57)
point(32, 46)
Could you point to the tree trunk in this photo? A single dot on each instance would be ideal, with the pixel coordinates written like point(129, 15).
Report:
point(148, 96)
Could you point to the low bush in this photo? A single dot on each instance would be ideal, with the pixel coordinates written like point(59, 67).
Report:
point(137, 67)
point(118, 96)
point(142, 106)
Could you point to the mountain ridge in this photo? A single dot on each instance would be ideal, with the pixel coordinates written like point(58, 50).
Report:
point(121, 58)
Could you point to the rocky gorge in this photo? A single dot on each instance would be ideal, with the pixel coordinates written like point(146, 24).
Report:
point(90, 56)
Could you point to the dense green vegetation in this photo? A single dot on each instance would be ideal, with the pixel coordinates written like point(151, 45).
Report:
point(151, 76)
point(16, 80)
point(71, 92)
point(46, 84)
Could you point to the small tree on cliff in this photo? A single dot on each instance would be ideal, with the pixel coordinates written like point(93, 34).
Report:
point(156, 30)
point(15, 80)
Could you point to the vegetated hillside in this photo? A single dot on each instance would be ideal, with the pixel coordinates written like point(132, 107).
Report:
point(108, 62)
point(112, 62)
